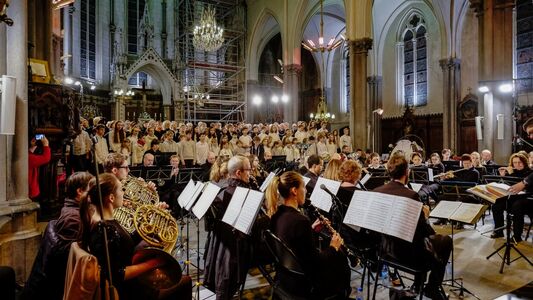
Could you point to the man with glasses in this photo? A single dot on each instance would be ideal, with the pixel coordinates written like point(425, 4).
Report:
point(228, 252)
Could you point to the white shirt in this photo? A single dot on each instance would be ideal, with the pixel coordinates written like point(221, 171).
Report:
point(202, 150)
point(345, 140)
point(101, 149)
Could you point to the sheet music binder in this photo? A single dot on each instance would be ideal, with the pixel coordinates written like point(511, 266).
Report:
point(321, 198)
point(468, 213)
point(197, 190)
point(492, 191)
point(392, 215)
point(209, 194)
point(243, 209)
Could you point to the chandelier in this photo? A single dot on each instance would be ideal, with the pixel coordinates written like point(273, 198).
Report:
point(208, 36)
point(322, 113)
point(321, 47)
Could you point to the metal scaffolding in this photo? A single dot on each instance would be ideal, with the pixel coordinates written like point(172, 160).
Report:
point(213, 83)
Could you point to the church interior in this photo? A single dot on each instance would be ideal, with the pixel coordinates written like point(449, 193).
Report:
point(420, 77)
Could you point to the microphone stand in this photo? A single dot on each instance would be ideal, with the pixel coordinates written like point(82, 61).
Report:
point(100, 211)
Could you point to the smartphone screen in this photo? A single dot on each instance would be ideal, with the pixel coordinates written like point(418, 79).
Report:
point(39, 136)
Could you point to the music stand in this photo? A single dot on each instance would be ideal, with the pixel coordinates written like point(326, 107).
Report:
point(508, 245)
point(160, 175)
point(135, 171)
point(457, 283)
point(451, 165)
point(419, 175)
point(375, 181)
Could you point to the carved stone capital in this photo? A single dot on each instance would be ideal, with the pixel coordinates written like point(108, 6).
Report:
point(293, 68)
point(361, 45)
point(449, 63)
point(477, 6)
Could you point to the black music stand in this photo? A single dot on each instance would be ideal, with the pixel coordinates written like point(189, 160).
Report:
point(508, 245)
point(135, 171)
point(457, 283)
point(375, 181)
point(419, 175)
point(160, 175)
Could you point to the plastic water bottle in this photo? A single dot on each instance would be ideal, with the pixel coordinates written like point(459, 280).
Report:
point(448, 273)
point(385, 276)
point(359, 295)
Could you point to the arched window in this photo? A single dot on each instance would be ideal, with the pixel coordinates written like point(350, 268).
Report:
point(415, 63)
point(136, 9)
point(524, 46)
point(88, 39)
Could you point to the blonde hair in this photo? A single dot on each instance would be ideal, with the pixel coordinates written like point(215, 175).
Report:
point(281, 186)
point(332, 170)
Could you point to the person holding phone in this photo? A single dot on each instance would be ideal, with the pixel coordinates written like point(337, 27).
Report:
point(35, 160)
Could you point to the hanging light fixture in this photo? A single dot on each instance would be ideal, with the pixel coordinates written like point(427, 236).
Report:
point(322, 113)
point(208, 36)
point(320, 46)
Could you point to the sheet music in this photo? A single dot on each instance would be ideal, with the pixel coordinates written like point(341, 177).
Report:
point(445, 209)
point(321, 198)
point(365, 178)
point(186, 194)
point(416, 186)
point(235, 206)
point(430, 175)
point(249, 211)
point(197, 190)
point(306, 180)
point(468, 212)
point(208, 196)
point(458, 211)
point(267, 181)
point(389, 214)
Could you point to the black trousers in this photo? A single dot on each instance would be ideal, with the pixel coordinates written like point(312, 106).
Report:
point(518, 208)
point(437, 260)
point(7, 283)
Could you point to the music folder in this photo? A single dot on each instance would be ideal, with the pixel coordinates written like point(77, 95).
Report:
point(468, 213)
point(267, 181)
point(320, 198)
point(392, 215)
point(243, 209)
point(204, 202)
point(492, 191)
point(187, 193)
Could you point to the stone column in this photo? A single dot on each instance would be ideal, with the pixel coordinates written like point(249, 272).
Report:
point(19, 240)
point(358, 96)
point(291, 87)
point(166, 112)
point(252, 89)
point(451, 87)
point(119, 111)
point(375, 102)
point(496, 24)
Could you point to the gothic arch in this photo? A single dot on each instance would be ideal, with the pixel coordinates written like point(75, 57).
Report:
point(259, 38)
point(151, 63)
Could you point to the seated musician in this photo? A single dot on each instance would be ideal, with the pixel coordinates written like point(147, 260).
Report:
point(486, 158)
point(375, 162)
point(446, 154)
point(47, 278)
point(416, 254)
point(327, 269)
point(314, 165)
point(171, 189)
point(435, 163)
point(119, 242)
point(154, 150)
point(518, 167)
point(476, 162)
point(227, 252)
point(416, 160)
point(467, 174)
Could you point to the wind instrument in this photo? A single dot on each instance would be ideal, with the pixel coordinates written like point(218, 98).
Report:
point(448, 174)
point(354, 260)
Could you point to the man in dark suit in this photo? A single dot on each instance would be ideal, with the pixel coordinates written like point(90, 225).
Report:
point(428, 250)
point(314, 165)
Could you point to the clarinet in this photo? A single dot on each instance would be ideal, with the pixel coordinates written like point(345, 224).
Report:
point(354, 260)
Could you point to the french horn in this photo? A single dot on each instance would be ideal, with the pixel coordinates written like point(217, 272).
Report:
point(156, 226)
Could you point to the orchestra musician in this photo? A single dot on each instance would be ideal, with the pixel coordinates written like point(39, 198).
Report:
point(518, 167)
point(467, 174)
point(328, 269)
point(227, 255)
point(434, 162)
point(416, 254)
point(119, 242)
point(314, 168)
point(374, 163)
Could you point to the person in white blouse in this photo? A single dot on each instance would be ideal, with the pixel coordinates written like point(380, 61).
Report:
point(346, 139)
point(116, 136)
point(202, 149)
point(321, 148)
point(101, 148)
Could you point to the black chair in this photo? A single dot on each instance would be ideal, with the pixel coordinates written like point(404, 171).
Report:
point(397, 266)
point(286, 260)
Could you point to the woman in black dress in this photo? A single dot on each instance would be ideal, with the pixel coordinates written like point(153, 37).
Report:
point(327, 269)
point(121, 245)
